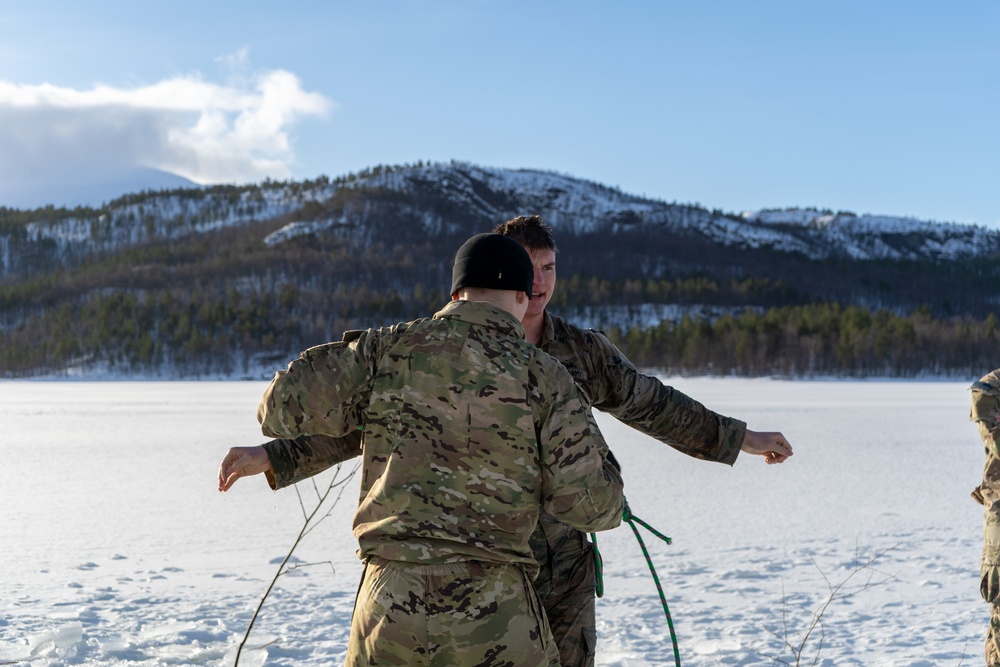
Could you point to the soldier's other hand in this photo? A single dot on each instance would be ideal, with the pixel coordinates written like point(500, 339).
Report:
point(769, 444)
point(242, 462)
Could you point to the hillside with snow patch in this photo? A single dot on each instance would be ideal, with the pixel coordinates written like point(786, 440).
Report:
point(569, 204)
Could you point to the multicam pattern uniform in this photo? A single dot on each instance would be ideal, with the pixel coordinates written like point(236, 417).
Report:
point(567, 577)
point(613, 384)
point(986, 414)
point(468, 432)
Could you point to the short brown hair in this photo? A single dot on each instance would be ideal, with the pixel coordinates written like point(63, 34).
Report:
point(530, 231)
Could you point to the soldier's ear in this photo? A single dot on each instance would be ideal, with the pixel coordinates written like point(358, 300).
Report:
point(454, 296)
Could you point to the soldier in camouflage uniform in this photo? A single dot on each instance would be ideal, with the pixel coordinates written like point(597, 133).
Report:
point(468, 433)
point(567, 577)
point(615, 386)
point(986, 415)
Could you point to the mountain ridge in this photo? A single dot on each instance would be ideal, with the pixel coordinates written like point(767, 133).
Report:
point(567, 203)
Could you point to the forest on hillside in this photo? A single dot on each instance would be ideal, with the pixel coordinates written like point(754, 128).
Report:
point(206, 332)
point(224, 302)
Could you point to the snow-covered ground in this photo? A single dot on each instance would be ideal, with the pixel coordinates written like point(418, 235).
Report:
point(117, 549)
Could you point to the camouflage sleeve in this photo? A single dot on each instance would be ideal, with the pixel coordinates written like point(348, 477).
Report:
point(308, 455)
point(580, 486)
point(660, 411)
point(323, 392)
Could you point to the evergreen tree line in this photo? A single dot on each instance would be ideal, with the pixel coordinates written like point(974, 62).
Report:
point(207, 332)
point(581, 289)
point(197, 333)
point(817, 340)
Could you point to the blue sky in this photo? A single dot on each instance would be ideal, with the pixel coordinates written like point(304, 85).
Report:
point(872, 107)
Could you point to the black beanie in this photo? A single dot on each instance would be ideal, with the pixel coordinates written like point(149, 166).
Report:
point(492, 261)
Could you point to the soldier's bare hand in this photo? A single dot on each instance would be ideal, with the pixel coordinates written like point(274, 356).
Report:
point(242, 462)
point(769, 444)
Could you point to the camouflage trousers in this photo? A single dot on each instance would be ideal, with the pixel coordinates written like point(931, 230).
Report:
point(566, 584)
point(993, 638)
point(448, 615)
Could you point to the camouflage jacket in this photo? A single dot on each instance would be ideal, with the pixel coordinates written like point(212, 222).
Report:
point(468, 432)
point(609, 379)
point(614, 386)
point(986, 415)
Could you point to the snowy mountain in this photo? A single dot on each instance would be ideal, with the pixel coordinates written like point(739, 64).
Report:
point(214, 279)
point(877, 236)
point(570, 204)
point(582, 207)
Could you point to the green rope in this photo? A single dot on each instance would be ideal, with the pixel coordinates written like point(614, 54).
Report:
point(631, 520)
point(598, 568)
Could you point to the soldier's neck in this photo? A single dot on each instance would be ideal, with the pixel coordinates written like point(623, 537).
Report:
point(533, 327)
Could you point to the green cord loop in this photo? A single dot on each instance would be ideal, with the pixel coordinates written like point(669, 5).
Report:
point(632, 520)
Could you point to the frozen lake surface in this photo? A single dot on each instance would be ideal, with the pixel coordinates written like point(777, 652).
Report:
point(117, 549)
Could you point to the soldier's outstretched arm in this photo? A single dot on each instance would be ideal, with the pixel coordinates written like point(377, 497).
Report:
point(647, 404)
point(770, 444)
point(293, 460)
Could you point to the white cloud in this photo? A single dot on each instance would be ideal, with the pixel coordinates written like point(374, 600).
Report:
point(204, 131)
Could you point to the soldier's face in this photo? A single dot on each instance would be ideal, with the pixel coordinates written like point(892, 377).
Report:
point(544, 283)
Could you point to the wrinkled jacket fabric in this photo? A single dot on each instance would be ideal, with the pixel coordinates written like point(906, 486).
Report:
point(468, 430)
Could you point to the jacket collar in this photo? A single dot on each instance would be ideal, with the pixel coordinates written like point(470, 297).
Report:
point(483, 314)
point(548, 330)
